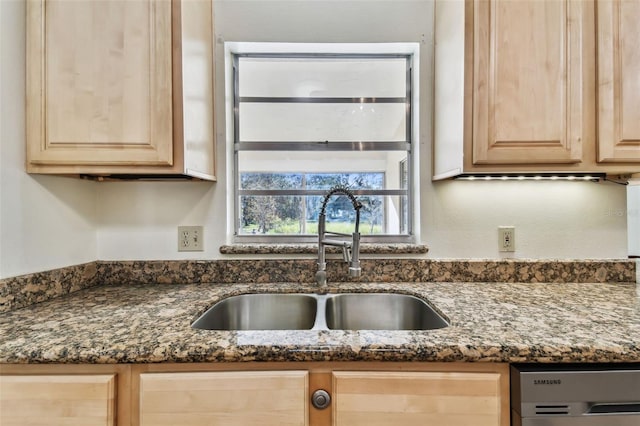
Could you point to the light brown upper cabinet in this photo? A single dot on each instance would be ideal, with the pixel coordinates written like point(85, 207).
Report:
point(515, 87)
point(618, 80)
point(105, 87)
point(528, 81)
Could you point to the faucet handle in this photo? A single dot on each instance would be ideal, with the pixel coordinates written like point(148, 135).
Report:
point(346, 253)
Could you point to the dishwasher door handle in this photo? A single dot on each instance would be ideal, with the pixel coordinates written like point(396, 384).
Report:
point(614, 408)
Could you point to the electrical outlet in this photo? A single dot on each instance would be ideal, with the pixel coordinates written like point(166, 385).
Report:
point(506, 238)
point(190, 238)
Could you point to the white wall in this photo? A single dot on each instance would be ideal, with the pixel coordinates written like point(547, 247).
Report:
point(139, 220)
point(48, 222)
point(552, 219)
point(458, 219)
point(45, 222)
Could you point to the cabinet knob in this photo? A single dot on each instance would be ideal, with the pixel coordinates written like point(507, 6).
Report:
point(321, 399)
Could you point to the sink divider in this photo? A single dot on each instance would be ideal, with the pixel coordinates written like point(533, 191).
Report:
point(321, 317)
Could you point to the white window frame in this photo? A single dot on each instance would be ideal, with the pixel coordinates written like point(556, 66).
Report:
point(409, 51)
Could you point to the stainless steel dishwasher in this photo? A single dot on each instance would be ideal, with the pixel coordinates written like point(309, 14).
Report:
point(575, 395)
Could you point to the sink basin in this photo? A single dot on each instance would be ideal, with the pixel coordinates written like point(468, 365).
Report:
point(346, 311)
point(381, 311)
point(260, 312)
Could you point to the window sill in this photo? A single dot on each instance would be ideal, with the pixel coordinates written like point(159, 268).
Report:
point(313, 248)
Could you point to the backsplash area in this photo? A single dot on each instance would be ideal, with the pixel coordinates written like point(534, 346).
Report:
point(24, 290)
point(17, 292)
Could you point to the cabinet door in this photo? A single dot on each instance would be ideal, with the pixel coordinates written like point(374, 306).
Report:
point(528, 81)
point(57, 400)
point(224, 398)
point(618, 82)
point(416, 398)
point(99, 82)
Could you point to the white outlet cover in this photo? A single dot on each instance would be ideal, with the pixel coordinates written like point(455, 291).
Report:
point(507, 238)
point(190, 238)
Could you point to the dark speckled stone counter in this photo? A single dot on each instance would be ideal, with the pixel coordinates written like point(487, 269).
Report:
point(498, 322)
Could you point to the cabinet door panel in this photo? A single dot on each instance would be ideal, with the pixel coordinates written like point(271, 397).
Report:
point(416, 398)
point(57, 400)
point(224, 398)
point(528, 60)
point(99, 85)
point(618, 81)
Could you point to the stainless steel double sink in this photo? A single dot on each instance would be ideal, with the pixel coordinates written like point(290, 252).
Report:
point(342, 311)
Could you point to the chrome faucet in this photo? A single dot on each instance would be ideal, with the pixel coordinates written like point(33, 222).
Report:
point(350, 249)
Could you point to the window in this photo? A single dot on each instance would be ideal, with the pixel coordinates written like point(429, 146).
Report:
point(306, 122)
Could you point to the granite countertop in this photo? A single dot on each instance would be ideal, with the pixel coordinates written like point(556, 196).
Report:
point(499, 322)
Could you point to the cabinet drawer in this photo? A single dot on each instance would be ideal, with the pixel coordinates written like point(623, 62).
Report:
point(58, 400)
point(416, 398)
point(224, 398)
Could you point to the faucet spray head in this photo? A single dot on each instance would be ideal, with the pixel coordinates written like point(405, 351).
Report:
point(343, 190)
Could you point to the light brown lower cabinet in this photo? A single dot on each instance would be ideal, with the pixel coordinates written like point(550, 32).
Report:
point(58, 400)
point(61, 400)
point(416, 398)
point(362, 393)
point(64, 395)
point(230, 398)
